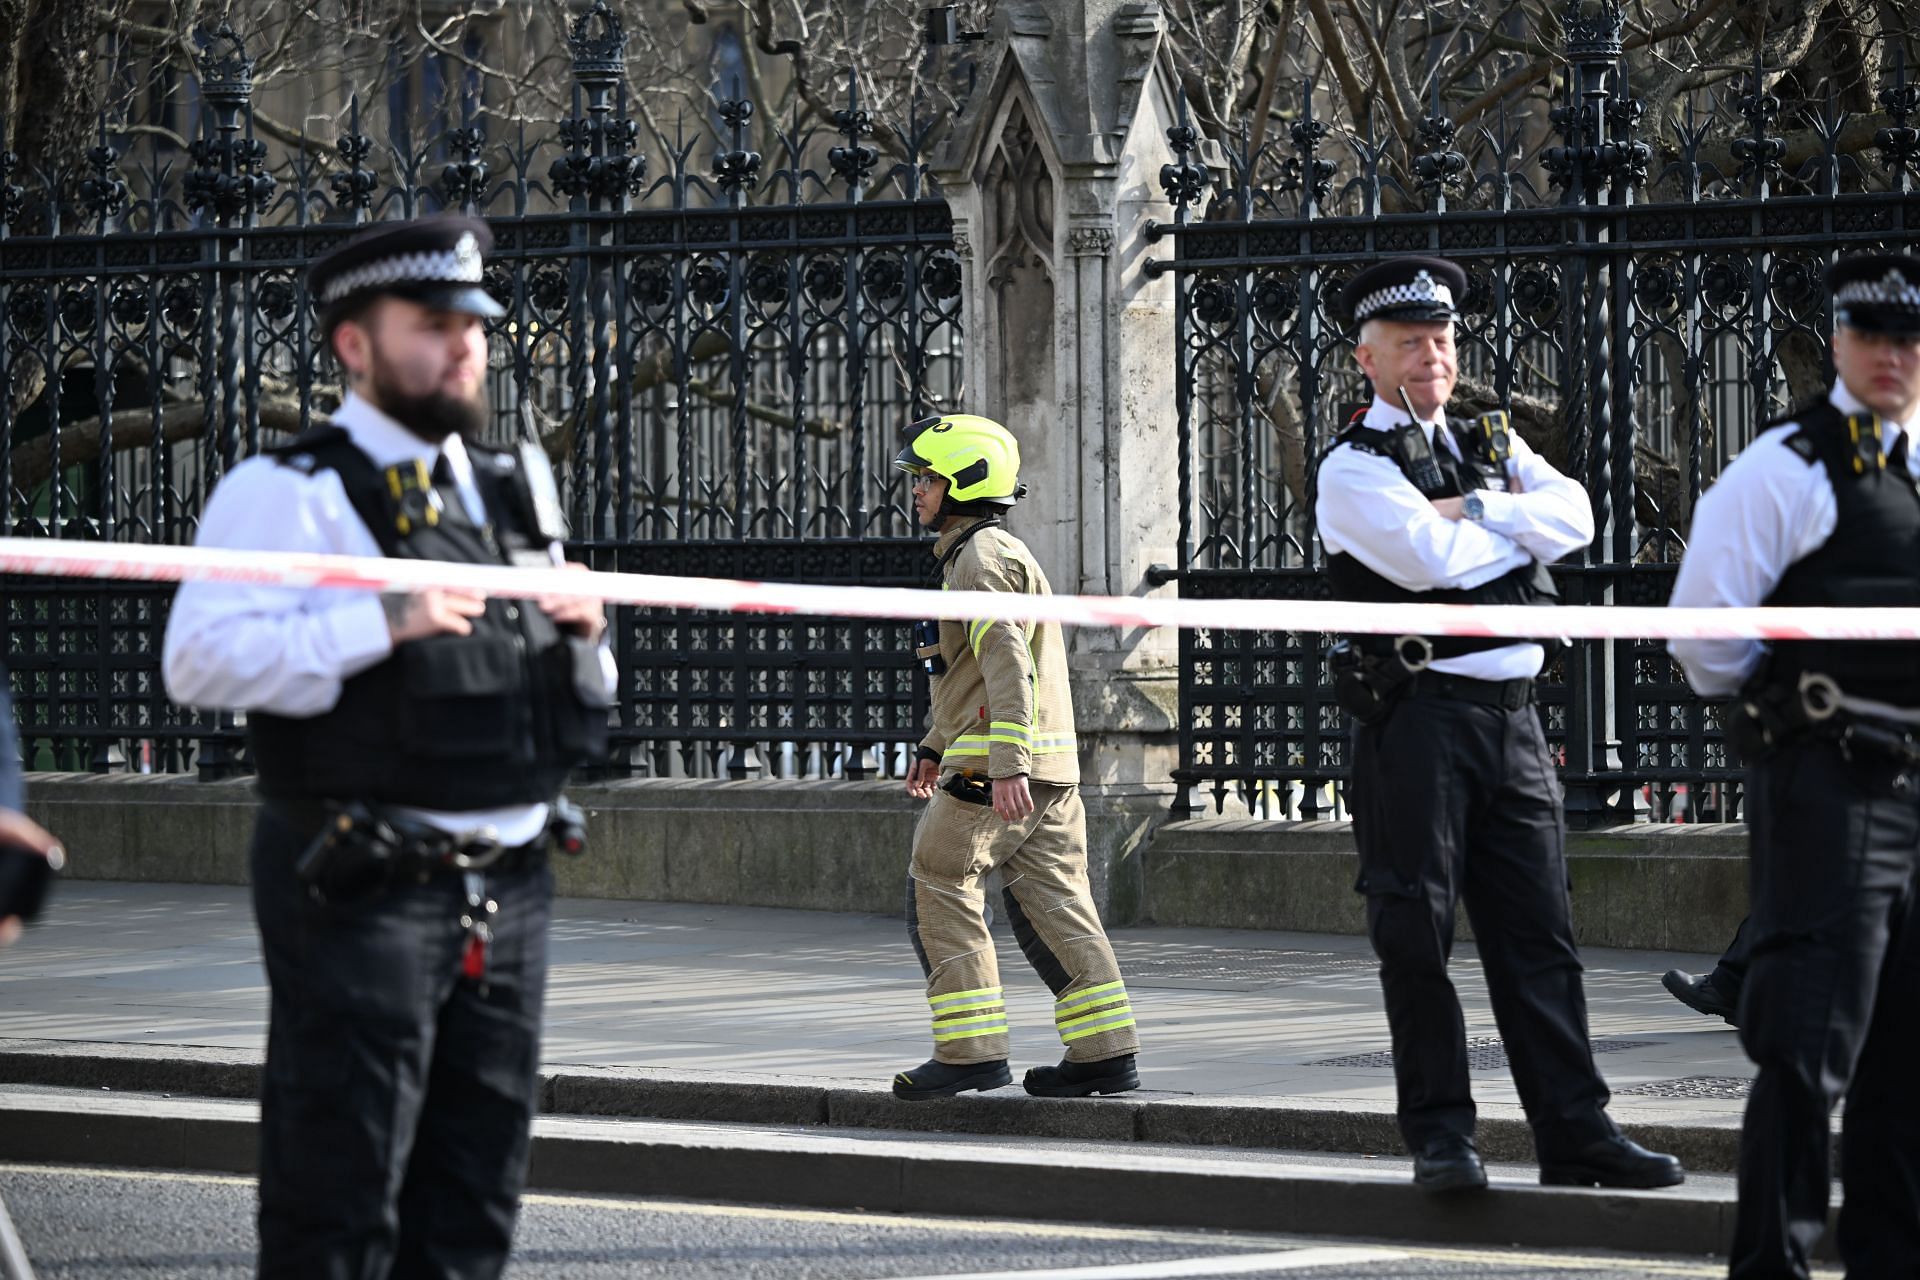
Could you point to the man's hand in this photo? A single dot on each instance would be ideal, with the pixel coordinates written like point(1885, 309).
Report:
point(922, 778)
point(417, 615)
point(1011, 799)
point(19, 831)
point(1449, 508)
point(575, 614)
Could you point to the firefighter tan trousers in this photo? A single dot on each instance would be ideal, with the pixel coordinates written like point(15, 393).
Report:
point(1043, 863)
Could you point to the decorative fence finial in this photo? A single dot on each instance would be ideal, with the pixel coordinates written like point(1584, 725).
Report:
point(1184, 181)
point(1593, 30)
point(598, 59)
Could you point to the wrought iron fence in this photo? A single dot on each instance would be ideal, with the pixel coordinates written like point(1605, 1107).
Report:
point(1640, 319)
point(718, 352)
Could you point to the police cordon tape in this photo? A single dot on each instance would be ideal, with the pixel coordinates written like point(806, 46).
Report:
point(54, 558)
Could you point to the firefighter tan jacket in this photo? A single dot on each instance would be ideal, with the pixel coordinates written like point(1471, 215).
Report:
point(1003, 707)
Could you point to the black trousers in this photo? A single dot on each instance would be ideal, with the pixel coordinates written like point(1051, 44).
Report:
point(398, 1096)
point(1730, 974)
point(1457, 801)
point(1831, 1009)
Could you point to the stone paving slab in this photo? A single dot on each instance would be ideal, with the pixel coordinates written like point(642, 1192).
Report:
point(808, 996)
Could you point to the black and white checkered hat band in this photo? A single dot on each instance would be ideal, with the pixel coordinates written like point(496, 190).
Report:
point(1890, 290)
point(1423, 289)
point(454, 266)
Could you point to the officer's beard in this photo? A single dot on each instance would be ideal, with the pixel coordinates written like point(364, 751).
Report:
point(434, 416)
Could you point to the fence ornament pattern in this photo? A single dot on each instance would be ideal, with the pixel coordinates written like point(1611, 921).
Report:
point(716, 343)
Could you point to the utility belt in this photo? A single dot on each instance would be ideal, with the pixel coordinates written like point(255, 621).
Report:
point(361, 848)
point(1368, 684)
point(1767, 717)
point(1508, 695)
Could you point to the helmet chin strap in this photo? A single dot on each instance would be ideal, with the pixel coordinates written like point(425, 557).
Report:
point(990, 507)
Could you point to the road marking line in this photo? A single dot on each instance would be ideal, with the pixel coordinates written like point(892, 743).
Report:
point(153, 1175)
point(691, 1208)
point(1230, 1264)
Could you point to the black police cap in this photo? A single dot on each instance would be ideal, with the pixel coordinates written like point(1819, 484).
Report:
point(1877, 293)
point(436, 261)
point(1411, 289)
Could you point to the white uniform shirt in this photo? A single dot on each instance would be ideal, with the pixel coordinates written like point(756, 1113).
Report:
point(1369, 510)
point(289, 650)
point(1770, 509)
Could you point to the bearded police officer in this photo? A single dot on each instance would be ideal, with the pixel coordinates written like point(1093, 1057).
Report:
point(1821, 510)
point(1000, 766)
point(410, 751)
point(1454, 794)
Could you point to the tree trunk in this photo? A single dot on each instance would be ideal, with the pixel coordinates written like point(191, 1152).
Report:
point(51, 81)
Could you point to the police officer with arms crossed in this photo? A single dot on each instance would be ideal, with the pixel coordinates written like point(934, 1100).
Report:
point(1000, 765)
point(410, 752)
point(1821, 510)
point(1454, 794)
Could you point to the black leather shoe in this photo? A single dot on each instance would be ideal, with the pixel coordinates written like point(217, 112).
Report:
point(1703, 995)
point(1618, 1161)
point(936, 1079)
point(1450, 1163)
point(1079, 1079)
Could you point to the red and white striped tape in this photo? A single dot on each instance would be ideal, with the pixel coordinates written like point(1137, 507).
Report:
point(49, 557)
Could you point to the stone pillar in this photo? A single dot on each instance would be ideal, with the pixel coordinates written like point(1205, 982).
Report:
point(1052, 172)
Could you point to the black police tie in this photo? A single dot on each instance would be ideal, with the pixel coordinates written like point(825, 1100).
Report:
point(1459, 473)
point(451, 501)
point(1897, 455)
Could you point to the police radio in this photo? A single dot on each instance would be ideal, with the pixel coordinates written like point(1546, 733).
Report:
point(926, 646)
point(1414, 452)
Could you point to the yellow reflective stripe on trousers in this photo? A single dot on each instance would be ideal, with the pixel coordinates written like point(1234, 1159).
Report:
point(984, 1002)
point(947, 996)
point(998, 1029)
point(1123, 1007)
point(1084, 1032)
point(1087, 997)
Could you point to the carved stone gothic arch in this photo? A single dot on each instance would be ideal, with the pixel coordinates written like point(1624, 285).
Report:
point(1019, 208)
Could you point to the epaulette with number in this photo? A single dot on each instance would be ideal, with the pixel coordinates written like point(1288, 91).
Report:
point(1848, 443)
point(303, 452)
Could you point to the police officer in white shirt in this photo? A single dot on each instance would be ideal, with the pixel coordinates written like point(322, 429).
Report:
point(410, 751)
point(1454, 794)
point(1821, 510)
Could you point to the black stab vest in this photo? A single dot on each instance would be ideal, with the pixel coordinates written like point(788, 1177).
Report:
point(1527, 584)
point(449, 722)
point(1871, 559)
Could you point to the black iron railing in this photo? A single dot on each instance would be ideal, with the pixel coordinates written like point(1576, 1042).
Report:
point(717, 347)
point(1641, 320)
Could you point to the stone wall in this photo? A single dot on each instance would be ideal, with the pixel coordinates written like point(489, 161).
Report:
point(842, 846)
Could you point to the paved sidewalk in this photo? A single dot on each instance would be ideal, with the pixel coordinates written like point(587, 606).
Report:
point(805, 994)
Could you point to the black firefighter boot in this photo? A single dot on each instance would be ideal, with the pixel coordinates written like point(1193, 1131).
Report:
point(1078, 1079)
point(936, 1079)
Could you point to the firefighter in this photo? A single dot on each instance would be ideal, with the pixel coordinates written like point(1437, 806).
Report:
point(1000, 769)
